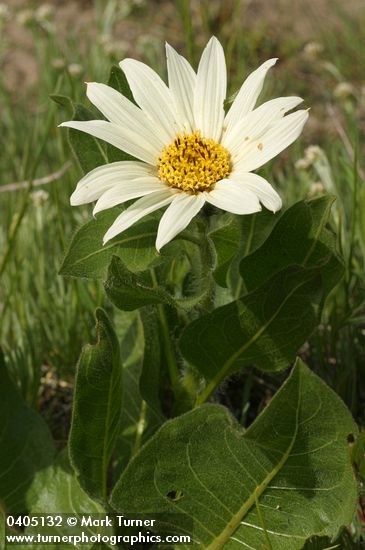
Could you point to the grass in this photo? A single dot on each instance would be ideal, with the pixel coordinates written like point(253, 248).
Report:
point(45, 319)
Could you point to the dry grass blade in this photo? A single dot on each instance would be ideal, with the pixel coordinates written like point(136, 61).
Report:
point(39, 181)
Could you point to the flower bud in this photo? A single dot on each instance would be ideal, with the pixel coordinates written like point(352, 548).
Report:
point(344, 90)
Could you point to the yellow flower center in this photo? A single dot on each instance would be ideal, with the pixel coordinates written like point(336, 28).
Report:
point(193, 163)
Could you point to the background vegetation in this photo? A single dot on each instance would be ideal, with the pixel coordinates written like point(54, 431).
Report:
point(48, 49)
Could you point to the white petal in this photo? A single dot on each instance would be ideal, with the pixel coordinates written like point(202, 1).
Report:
point(233, 197)
point(123, 138)
point(262, 189)
point(118, 109)
point(104, 177)
point(153, 96)
point(142, 207)
point(277, 138)
point(247, 96)
point(255, 123)
point(127, 190)
point(210, 91)
point(178, 216)
point(182, 81)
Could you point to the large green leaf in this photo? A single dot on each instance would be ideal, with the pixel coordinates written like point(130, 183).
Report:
point(286, 478)
point(344, 542)
point(152, 364)
point(237, 238)
point(138, 421)
point(130, 334)
point(300, 237)
point(265, 327)
point(226, 242)
point(25, 442)
point(87, 257)
point(55, 491)
point(2, 532)
point(160, 379)
point(97, 409)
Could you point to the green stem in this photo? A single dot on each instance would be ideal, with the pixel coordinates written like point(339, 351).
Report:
point(206, 393)
point(14, 228)
point(207, 265)
point(352, 229)
point(172, 367)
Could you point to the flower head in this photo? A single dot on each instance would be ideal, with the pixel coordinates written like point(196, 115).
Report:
point(44, 12)
point(75, 69)
point(189, 151)
point(312, 50)
point(5, 12)
point(344, 90)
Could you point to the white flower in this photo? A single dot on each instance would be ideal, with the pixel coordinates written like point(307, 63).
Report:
point(189, 151)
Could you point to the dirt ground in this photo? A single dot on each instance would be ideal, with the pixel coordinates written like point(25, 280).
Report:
point(158, 20)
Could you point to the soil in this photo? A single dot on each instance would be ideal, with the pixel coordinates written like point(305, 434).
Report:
point(158, 20)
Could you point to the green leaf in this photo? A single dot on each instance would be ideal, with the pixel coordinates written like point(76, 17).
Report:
point(63, 101)
point(129, 291)
point(151, 374)
point(286, 478)
point(26, 445)
point(324, 543)
point(226, 241)
point(118, 81)
point(88, 151)
point(300, 237)
point(87, 257)
point(361, 218)
point(97, 409)
point(130, 332)
point(237, 238)
point(358, 456)
point(55, 490)
point(2, 531)
point(161, 388)
point(265, 327)
point(138, 421)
